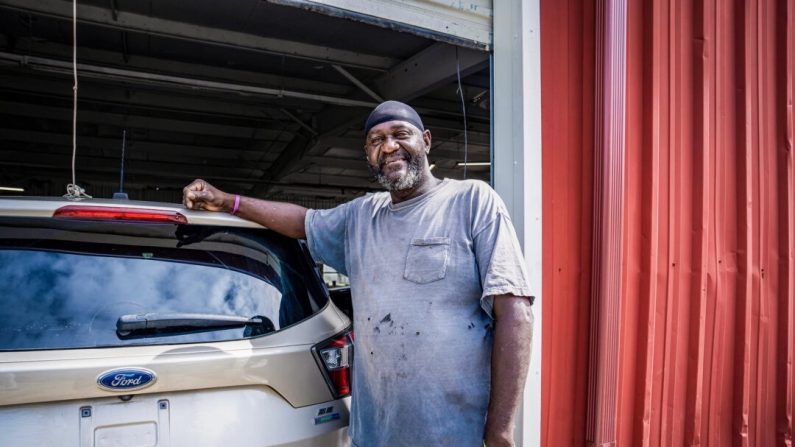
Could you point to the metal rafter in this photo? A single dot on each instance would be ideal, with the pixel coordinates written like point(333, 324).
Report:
point(130, 120)
point(426, 70)
point(137, 61)
point(168, 81)
point(109, 95)
point(155, 150)
point(362, 86)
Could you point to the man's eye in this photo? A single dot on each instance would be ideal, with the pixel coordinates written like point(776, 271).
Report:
point(403, 135)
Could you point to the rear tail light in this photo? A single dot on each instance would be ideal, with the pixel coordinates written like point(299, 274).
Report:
point(119, 213)
point(335, 356)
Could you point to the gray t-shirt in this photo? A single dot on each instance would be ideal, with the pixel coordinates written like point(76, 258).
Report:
point(423, 273)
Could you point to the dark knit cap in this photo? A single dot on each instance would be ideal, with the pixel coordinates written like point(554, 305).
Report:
point(393, 111)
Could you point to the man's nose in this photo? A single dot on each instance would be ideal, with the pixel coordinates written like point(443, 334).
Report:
point(391, 145)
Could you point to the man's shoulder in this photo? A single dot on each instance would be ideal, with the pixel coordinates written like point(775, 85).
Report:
point(476, 188)
point(478, 196)
point(366, 201)
point(370, 200)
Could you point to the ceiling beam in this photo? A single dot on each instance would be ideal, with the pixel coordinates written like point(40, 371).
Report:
point(343, 141)
point(473, 127)
point(405, 82)
point(298, 121)
point(339, 162)
point(131, 121)
point(436, 65)
point(425, 71)
point(139, 23)
point(167, 81)
point(151, 150)
point(91, 92)
point(26, 45)
point(349, 76)
point(294, 149)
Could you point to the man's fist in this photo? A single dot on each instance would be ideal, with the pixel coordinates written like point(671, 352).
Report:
point(200, 195)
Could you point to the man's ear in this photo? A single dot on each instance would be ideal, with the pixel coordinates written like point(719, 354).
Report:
point(426, 138)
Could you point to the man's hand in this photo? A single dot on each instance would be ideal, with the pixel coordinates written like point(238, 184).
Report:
point(200, 195)
point(510, 358)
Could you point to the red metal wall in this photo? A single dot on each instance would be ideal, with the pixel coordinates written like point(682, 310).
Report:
point(707, 304)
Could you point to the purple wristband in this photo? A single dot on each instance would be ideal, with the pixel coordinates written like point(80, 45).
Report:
point(237, 205)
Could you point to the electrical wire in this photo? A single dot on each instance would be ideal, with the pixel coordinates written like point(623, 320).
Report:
point(74, 192)
point(463, 109)
point(74, 88)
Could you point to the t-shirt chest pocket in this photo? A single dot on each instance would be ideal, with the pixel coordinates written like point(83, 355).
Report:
point(426, 260)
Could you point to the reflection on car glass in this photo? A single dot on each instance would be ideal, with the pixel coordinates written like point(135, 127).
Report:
point(243, 264)
point(194, 234)
point(256, 265)
point(59, 299)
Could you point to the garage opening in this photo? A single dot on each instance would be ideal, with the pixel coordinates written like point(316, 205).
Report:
point(264, 99)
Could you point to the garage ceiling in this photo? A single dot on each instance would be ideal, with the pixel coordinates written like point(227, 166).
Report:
point(258, 98)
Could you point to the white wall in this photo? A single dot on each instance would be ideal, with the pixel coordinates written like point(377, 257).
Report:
point(516, 125)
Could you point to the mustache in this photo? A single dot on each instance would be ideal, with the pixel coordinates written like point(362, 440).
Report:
point(382, 160)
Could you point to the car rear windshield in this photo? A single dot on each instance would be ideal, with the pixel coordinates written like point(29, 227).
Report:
point(68, 284)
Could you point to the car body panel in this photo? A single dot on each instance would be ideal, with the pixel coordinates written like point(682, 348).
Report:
point(277, 361)
point(213, 417)
point(265, 390)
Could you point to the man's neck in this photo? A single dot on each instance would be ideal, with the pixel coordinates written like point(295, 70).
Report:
point(425, 185)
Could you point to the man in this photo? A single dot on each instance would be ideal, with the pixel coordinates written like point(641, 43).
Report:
point(439, 288)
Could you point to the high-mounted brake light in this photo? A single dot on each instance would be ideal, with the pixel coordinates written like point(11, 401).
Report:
point(118, 213)
point(335, 356)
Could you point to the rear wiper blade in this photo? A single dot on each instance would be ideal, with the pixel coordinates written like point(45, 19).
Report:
point(167, 323)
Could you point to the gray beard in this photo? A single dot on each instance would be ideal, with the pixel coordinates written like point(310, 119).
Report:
point(403, 183)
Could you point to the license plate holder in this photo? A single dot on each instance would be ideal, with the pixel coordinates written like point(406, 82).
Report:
point(136, 423)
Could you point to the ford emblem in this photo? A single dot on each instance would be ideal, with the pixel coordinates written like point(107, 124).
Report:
point(126, 379)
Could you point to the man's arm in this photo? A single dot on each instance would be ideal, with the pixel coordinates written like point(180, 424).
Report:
point(513, 334)
point(284, 218)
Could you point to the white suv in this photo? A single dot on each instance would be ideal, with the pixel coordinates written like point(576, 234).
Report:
point(144, 324)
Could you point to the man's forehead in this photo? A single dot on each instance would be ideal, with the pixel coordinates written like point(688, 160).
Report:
point(391, 126)
point(392, 111)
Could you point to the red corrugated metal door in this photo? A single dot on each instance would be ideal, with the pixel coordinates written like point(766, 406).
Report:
point(707, 300)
